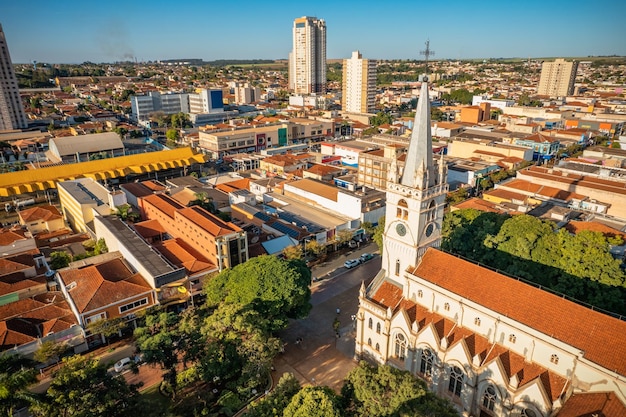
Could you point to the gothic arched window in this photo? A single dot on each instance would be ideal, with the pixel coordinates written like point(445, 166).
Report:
point(400, 346)
point(370, 323)
point(455, 384)
point(489, 398)
point(426, 363)
point(403, 210)
point(397, 267)
point(377, 327)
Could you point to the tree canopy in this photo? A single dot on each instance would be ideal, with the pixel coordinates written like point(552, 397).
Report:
point(313, 402)
point(278, 289)
point(579, 266)
point(387, 391)
point(16, 374)
point(83, 388)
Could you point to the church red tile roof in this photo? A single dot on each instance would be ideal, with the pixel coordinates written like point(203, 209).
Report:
point(602, 338)
point(600, 404)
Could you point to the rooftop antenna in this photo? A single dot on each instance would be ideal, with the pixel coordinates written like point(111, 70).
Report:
point(427, 53)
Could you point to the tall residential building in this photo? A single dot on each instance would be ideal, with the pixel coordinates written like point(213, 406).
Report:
point(207, 101)
point(491, 344)
point(557, 78)
point(359, 84)
point(307, 60)
point(12, 114)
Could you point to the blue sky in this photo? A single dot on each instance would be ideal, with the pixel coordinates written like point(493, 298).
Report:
point(72, 31)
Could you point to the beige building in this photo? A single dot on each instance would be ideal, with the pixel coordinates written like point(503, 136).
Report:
point(307, 60)
point(557, 78)
point(83, 199)
point(359, 84)
point(487, 150)
point(41, 219)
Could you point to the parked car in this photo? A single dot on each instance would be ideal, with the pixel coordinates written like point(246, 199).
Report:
point(122, 364)
point(366, 257)
point(351, 263)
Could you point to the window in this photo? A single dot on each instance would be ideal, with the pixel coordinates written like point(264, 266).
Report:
point(377, 347)
point(96, 317)
point(446, 306)
point(397, 267)
point(456, 381)
point(400, 346)
point(426, 363)
point(420, 293)
point(369, 342)
point(489, 398)
point(512, 338)
point(133, 305)
point(554, 359)
point(378, 328)
point(370, 323)
point(477, 321)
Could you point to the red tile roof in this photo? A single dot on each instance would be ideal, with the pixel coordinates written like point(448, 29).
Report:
point(600, 404)
point(103, 284)
point(46, 213)
point(602, 338)
point(576, 226)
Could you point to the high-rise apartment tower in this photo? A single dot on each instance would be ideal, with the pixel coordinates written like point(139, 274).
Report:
point(11, 110)
point(359, 84)
point(557, 78)
point(307, 60)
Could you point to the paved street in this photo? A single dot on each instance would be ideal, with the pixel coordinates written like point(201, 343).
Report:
point(322, 358)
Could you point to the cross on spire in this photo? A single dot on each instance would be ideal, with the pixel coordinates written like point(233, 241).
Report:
point(427, 53)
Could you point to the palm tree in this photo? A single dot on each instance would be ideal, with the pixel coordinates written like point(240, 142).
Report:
point(16, 375)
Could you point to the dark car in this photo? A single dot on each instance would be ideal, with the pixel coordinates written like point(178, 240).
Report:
point(366, 257)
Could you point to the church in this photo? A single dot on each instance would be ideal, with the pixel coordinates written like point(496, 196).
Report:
point(491, 344)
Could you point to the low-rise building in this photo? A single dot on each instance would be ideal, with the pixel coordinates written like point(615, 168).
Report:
point(41, 219)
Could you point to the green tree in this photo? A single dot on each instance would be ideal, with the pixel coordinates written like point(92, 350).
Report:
point(315, 248)
point(180, 120)
point(277, 288)
point(172, 137)
point(16, 375)
point(60, 259)
point(50, 350)
point(107, 327)
point(378, 234)
point(273, 404)
point(158, 340)
point(83, 388)
point(313, 402)
point(456, 196)
point(343, 236)
point(293, 252)
point(238, 346)
point(380, 390)
point(125, 212)
point(381, 118)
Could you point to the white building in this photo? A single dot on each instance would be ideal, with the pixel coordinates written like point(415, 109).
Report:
point(493, 345)
point(170, 103)
point(497, 103)
point(359, 84)
point(12, 114)
point(307, 60)
point(246, 94)
point(206, 101)
point(557, 78)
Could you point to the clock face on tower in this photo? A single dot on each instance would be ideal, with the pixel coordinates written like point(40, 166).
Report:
point(401, 229)
point(429, 229)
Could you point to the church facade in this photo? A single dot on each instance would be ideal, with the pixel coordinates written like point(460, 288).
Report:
point(493, 345)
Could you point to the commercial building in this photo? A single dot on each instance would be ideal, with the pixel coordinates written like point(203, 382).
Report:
point(170, 103)
point(206, 101)
point(557, 78)
point(12, 114)
point(307, 60)
point(221, 243)
point(491, 344)
point(359, 84)
point(246, 93)
point(85, 148)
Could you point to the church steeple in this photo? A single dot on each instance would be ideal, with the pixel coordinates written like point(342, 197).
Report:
point(419, 158)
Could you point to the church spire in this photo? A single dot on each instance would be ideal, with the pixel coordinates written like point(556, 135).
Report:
point(420, 154)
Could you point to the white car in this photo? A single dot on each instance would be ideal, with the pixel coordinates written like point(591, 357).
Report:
point(351, 263)
point(122, 364)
